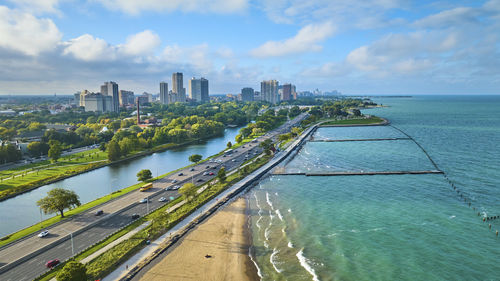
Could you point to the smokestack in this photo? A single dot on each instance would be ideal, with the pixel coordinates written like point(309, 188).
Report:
point(138, 112)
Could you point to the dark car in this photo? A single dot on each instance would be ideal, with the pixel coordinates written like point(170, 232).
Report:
point(199, 180)
point(135, 216)
point(99, 212)
point(181, 174)
point(52, 263)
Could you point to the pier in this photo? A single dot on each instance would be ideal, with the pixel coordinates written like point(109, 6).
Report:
point(345, 140)
point(358, 173)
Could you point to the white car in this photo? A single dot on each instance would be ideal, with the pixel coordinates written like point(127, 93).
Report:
point(174, 181)
point(176, 187)
point(43, 233)
point(143, 200)
point(162, 199)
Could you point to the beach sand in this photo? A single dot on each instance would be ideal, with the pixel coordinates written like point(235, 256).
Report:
point(223, 237)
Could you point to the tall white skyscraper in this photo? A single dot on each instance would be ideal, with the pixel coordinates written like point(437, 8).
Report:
point(269, 91)
point(111, 89)
point(163, 92)
point(178, 90)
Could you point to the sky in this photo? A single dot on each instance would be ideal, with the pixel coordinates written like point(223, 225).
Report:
point(356, 47)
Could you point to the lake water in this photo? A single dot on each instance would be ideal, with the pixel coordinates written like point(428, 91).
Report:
point(388, 227)
point(21, 211)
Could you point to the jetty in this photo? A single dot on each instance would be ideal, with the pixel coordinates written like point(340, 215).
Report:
point(356, 173)
point(345, 140)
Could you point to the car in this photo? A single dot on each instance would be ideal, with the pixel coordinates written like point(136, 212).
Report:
point(211, 173)
point(174, 181)
point(224, 155)
point(207, 167)
point(99, 212)
point(176, 187)
point(205, 173)
point(144, 200)
point(52, 263)
point(192, 169)
point(168, 188)
point(43, 233)
point(199, 180)
point(242, 146)
point(232, 160)
point(135, 216)
point(214, 167)
point(162, 199)
point(180, 174)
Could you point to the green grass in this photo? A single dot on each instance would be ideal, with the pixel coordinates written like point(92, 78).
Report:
point(359, 121)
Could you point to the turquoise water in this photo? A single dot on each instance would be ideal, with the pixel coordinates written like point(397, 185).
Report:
point(398, 227)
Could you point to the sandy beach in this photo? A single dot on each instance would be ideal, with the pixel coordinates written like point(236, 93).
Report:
point(215, 250)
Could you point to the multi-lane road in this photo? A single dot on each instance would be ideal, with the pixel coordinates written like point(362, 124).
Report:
point(89, 229)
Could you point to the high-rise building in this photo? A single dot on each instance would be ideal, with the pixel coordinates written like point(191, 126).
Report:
point(98, 103)
point(286, 94)
point(178, 90)
point(198, 89)
point(269, 91)
point(163, 92)
point(83, 94)
point(111, 89)
point(247, 94)
point(126, 98)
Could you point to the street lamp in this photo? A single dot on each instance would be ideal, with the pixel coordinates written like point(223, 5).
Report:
point(147, 205)
point(72, 244)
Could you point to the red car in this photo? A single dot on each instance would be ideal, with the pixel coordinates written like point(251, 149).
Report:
point(52, 263)
point(211, 174)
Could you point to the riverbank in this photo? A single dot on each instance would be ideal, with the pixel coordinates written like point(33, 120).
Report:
point(215, 250)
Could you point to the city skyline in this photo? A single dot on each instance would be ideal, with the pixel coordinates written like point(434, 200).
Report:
point(356, 47)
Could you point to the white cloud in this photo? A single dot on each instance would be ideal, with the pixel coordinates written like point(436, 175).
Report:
point(135, 7)
point(22, 32)
point(141, 43)
point(37, 6)
point(88, 48)
point(306, 40)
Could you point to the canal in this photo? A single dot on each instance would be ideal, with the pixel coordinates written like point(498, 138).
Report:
point(21, 211)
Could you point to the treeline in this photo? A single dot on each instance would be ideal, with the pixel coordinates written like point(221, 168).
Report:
point(330, 109)
point(9, 153)
point(269, 120)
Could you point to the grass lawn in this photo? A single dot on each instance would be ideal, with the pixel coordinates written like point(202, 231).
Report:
point(360, 121)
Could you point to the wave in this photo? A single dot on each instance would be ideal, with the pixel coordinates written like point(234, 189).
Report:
point(266, 233)
point(269, 201)
point(305, 264)
point(279, 214)
point(290, 245)
point(273, 262)
point(259, 272)
point(289, 210)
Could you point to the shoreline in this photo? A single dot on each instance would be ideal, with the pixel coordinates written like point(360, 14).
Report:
point(217, 249)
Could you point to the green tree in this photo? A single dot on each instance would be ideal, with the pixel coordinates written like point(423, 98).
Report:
point(144, 175)
point(221, 175)
point(115, 125)
point(239, 138)
point(72, 271)
point(356, 112)
point(229, 144)
point(188, 190)
point(57, 200)
point(37, 148)
point(55, 150)
point(114, 152)
point(195, 158)
point(102, 146)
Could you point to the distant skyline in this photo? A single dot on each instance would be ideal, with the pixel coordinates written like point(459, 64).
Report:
point(356, 47)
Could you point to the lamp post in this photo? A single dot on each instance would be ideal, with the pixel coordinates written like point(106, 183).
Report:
point(72, 244)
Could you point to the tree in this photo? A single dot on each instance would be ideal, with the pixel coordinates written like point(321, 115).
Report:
point(114, 152)
point(221, 175)
point(72, 271)
point(229, 144)
point(195, 158)
point(188, 190)
point(57, 200)
point(144, 175)
point(102, 146)
point(239, 138)
point(356, 112)
point(55, 150)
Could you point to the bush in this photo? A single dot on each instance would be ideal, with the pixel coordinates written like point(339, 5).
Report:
point(72, 271)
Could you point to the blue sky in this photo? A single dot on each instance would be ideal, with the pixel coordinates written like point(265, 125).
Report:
point(356, 47)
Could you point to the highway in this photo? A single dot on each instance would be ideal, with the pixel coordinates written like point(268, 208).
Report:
point(117, 214)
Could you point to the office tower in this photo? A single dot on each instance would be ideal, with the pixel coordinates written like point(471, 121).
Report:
point(111, 89)
point(97, 102)
point(126, 97)
point(83, 94)
point(269, 91)
point(178, 90)
point(247, 94)
point(294, 92)
point(204, 90)
point(163, 92)
point(286, 94)
point(195, 89)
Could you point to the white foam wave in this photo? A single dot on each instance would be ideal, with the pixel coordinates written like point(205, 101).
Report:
point(272, 260)
point(279, 214)
point(452, 217)
point(290, 245)
point(256, 265)
point(271, 216)
point(305, 264)
point(266, 245)
point(289, 210)
point(266, 233)
point(269, 201)
point(257, 201)
point(276, 193)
